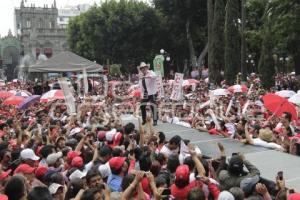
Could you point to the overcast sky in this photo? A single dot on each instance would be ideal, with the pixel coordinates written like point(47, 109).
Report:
point(7, 10)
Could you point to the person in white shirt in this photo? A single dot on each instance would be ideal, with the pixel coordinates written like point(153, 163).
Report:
point(147, 84)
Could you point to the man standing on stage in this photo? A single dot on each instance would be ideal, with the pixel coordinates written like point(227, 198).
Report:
point(147, 84)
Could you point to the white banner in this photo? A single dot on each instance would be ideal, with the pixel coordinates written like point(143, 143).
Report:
point(177, 87)
point(85, 81)
point(69, 98)
point(160, 87)
point(229, 107)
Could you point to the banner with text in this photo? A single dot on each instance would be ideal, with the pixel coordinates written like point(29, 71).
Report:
point(85, 81)
point(177, 87)
point(69, 98)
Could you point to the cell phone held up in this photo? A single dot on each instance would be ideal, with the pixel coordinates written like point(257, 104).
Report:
point(280, 175)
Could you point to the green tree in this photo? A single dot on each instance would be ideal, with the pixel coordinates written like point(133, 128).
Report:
point(217, 43)
point(186, 27)
point(255, 10)
point(125, 32)
point(232, 41)
point(285, 18)
point(266, 63)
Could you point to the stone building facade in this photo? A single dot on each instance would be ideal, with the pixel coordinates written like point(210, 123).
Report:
point(38, 30)
point(9, 57)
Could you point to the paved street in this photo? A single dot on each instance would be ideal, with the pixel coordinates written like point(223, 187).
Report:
point(268, 161)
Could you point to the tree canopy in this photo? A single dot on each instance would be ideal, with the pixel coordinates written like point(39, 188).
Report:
point(128, 32)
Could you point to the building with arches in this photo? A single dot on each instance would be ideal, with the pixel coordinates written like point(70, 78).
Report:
point(38, 30)
point(9, 57)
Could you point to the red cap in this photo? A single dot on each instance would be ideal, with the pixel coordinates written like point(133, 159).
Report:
point(213, 131)
point(182, 172)
point(38, 151)
point(72, 154)
point(25, 169)
point(4, 174)
point(3, 197)
point(41, 171)
point(77, 162)
point(294, 196)
point(117, 138)
point(2, 133)
point(116, 162)
point(101, 135)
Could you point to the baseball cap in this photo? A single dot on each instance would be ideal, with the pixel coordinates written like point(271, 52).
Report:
point(3, 197)
point(225, 195)
point(101, 135)
point(116, 140)
point(72, 154)
point(77, 174)
point(54, 187)
point(116, 162)
point(77, 162)
point(294, 196)
point(109, 136)
point(5, 174)
point(248, 184)
point(182, 172)
point(40, 171)
point(25, 169)
point(53, 157)
point(28, 154)
point(75, 131)
point(104, 170)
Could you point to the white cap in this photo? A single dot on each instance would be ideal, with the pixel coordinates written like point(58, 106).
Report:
point(53, 157)
point(109, 136)
point(143, 64)
point(77, 174)
point(28, 154)
point(74, 131)
point(54, 187)
point(104, 170)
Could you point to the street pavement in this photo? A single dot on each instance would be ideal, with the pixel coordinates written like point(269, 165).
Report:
point(269, 162)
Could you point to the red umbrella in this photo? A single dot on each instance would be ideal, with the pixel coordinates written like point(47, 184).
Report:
point(5, 94)
point(278, 105)
point(135, 93)
point(238, 88)
point(13, 100)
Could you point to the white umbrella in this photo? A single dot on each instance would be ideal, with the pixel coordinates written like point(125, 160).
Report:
point(220, 92)
point(295, 99)
point(285, 93)
point(21, 93)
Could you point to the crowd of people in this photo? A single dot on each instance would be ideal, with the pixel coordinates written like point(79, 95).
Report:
point(48, 153)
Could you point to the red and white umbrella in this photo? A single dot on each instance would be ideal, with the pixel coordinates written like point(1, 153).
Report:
point(5, 94)
point(133, 87)
point(286, 93)
point(2, 83)
point(220, 92)
point(52, 95)
point(21, 93)
point(238, 88)
point(13, 100)
point(135, 93)
point(190, 82)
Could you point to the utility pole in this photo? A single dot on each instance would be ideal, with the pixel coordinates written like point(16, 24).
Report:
point(243, 42)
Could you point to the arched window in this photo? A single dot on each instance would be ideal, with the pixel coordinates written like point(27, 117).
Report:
point(28, 23)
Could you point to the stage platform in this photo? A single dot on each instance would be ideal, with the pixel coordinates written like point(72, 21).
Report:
point(269, 162)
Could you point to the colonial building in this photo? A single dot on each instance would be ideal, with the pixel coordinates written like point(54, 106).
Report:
point(9, 57)
point(38, 30)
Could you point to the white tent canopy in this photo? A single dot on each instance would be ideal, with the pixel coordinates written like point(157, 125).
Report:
point(66, 62)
